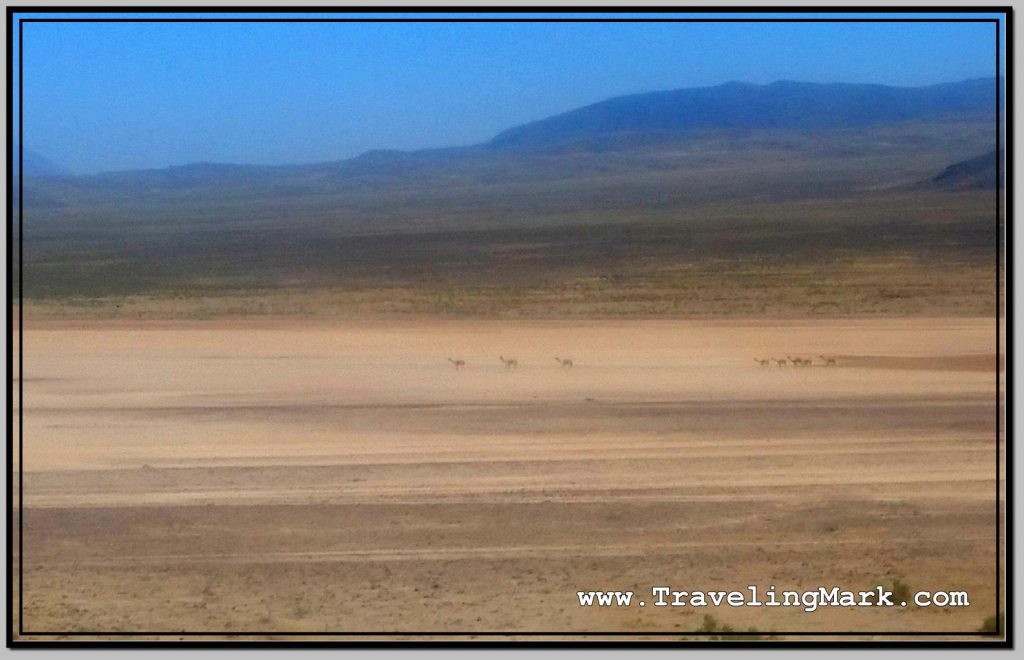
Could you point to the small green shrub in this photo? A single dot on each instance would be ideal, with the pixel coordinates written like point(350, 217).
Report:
point(989, 626)
point(900, 592)
point(726, 632)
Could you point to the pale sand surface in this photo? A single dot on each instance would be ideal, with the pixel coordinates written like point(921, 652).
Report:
point(343, 476)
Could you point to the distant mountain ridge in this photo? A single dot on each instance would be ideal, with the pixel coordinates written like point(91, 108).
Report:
point(624, 122)
point(614, 136)
point(783, 104)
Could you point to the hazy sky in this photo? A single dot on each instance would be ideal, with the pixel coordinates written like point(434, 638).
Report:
point(102, 96)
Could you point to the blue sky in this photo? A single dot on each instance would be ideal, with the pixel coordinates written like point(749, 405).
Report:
point(104, 96)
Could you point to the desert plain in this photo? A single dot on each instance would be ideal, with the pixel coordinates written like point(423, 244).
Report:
point(279, 477)
point(241, 419)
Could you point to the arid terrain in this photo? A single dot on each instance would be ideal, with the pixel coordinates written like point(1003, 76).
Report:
point(298, 476)
point(243, 416)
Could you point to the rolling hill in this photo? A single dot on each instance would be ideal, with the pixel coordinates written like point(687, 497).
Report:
point(974, 173)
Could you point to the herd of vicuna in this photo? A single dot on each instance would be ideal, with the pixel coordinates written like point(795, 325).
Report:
point(796, 361)
point(513, 363)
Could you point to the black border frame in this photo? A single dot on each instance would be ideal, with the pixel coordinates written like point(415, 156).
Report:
point(378, 639)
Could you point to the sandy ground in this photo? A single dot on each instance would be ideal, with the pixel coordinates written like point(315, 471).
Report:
point(345, 477)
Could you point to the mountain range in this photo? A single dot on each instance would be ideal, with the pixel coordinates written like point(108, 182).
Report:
point(783, 104)
point(637, 121)
point(633, 192)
